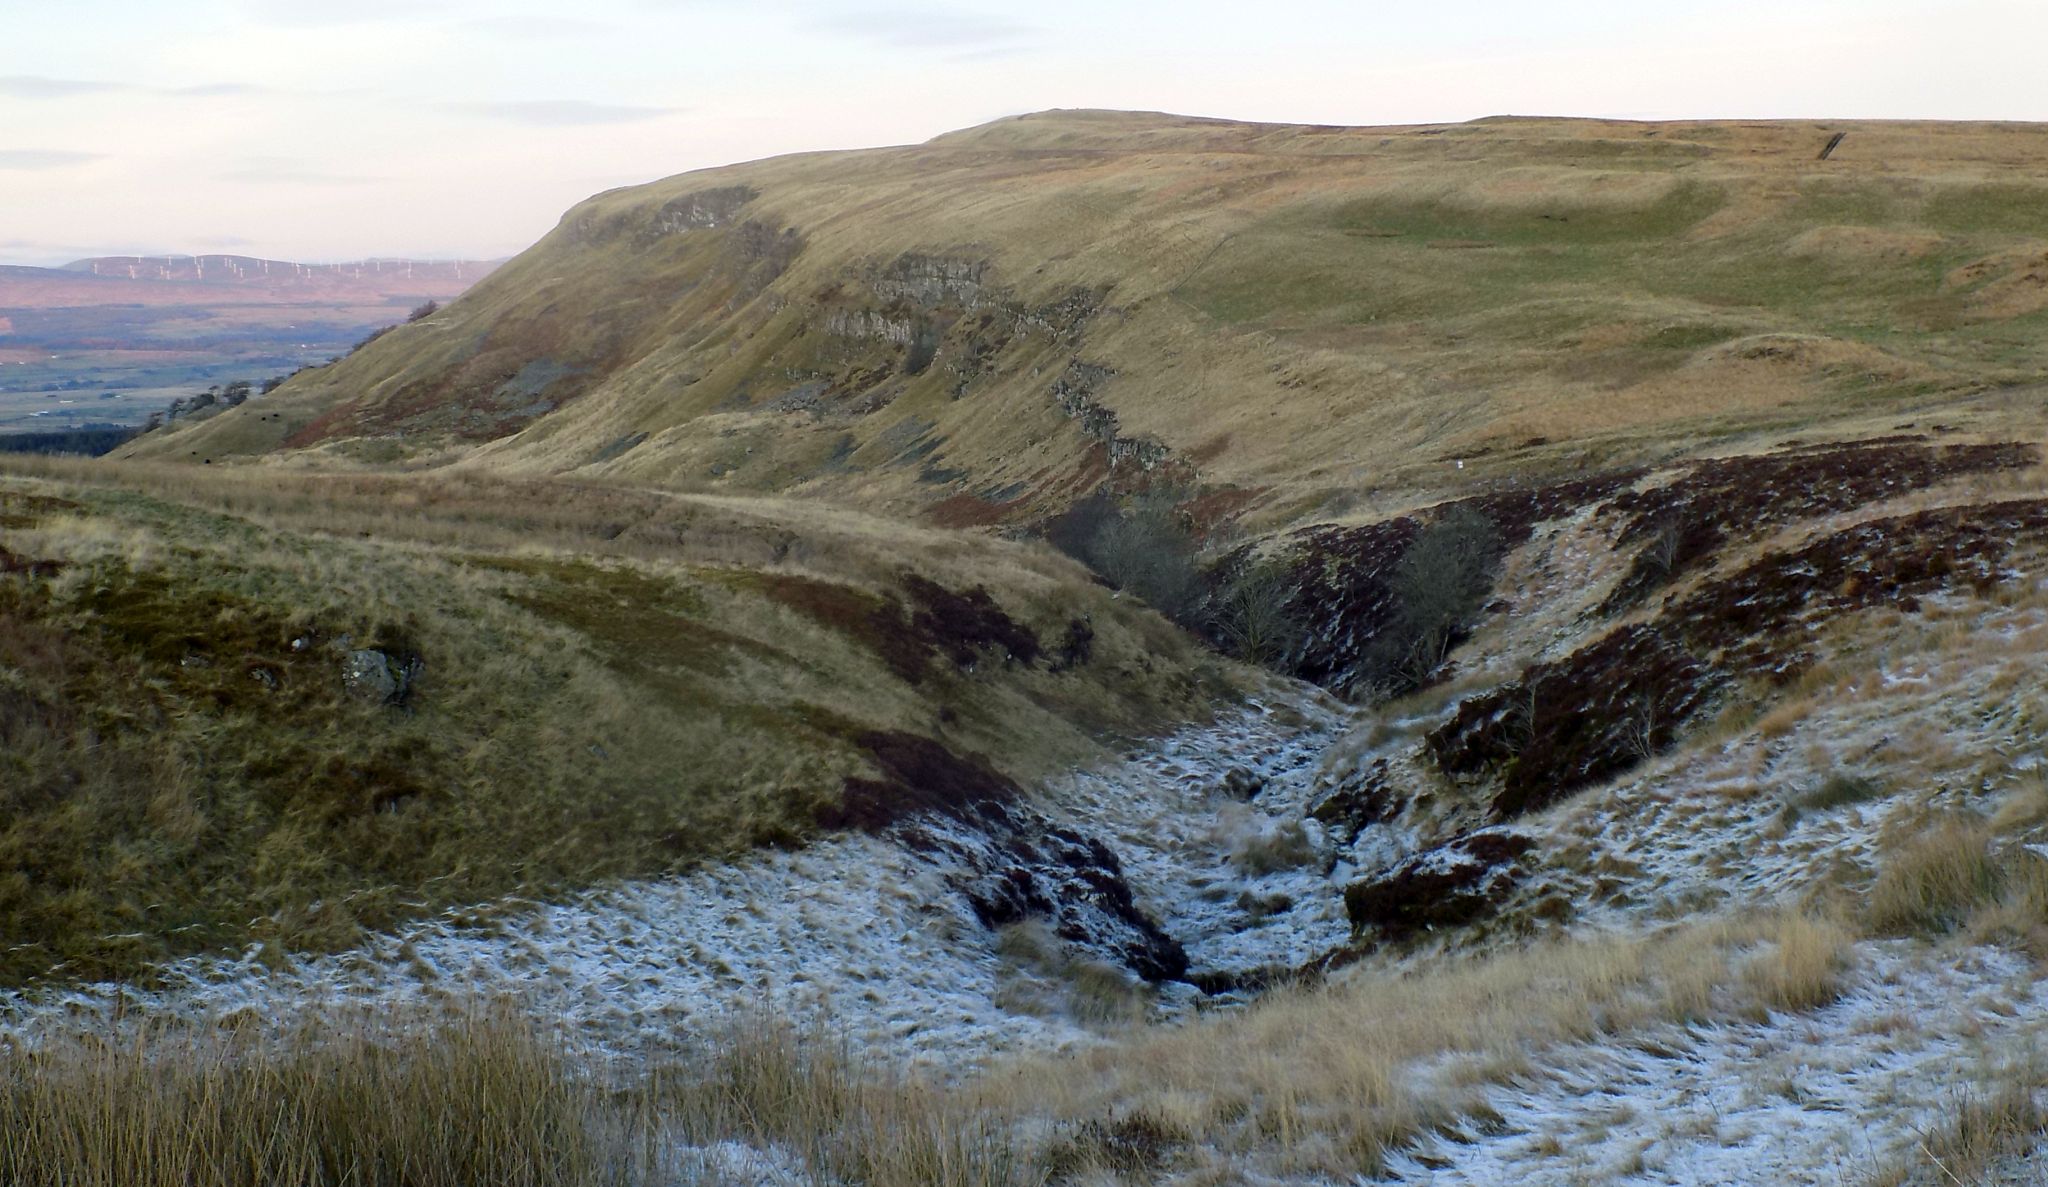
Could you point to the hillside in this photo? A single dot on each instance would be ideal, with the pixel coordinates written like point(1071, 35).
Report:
point(646, 703)
point(354, 702)
point(1290, 320)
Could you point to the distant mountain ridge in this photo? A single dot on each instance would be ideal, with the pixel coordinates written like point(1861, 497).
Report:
point(236, 269)
point(104, 280)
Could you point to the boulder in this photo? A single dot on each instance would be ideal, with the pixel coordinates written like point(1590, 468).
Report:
point(377, 676)
point(1012, 864)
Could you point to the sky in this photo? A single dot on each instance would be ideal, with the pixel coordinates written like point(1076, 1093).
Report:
point(323, 130)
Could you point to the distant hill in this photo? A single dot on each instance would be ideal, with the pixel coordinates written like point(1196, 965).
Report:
point(180, 280)
point(141, 331)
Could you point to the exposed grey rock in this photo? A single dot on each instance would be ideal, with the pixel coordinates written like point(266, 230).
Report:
point(867, 323)
point(375, 676)
point(1013, 863)
point(705, 210)
point(933, 280)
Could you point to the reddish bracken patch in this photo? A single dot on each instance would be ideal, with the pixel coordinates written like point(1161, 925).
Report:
point(1365, 798)
point(1684, 523)
point(960, 626)
point(11, 562)
point(1344, 595)
point(1213, 508)
point(918, 775)
point(968, 511)
point(1587, 717)
point(1451, 885)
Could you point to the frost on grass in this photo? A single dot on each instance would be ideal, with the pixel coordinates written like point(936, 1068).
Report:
point(1824, 1097)
point(871, 934)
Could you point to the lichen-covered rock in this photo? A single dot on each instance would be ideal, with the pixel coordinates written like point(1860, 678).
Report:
point(372, 675)
point(1454, 884)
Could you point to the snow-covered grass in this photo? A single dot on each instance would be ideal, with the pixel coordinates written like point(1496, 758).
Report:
point(1334, 1081)
point(1826, 1097)
point(859, 930)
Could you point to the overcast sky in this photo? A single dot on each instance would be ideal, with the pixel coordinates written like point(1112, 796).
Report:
point(337, 129)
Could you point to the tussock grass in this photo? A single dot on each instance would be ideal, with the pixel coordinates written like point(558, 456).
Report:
point(457, 1099)
point(1803, 967)
point(483, 1098)
point(1315, 1080)
point(1987, 1128)
point(1936, 881)
point(1839, 790)
point(1329, 1079)
point(774, 1086)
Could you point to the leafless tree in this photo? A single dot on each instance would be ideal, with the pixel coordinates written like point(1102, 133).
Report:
point(1255, 614)
point(1439, 587)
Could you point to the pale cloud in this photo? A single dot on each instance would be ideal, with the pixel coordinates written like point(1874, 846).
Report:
point(932, 28)
point(24, 86)
point(539, 27)
point(43, 158)
point(28, 86)
point(562, 113)
point(217, 90)
point(281, 171)
point(316, 14)
point(342, 128)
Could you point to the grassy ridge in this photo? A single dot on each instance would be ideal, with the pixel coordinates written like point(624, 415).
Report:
point(1294, 317)
point(186, 768)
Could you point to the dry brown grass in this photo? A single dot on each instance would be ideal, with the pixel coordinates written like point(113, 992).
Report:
point(1935, 881)
point(1321, 1081)
point(462, 1098)
point(483, 1098)
point(1327, 1080)
point(1803, 967)
point(774, 1086)
point(1989, 1125)
point(1633, 294)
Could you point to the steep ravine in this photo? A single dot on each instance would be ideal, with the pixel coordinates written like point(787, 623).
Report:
point(1162, 866)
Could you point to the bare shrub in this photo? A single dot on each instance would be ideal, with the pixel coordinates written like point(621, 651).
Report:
point(1149, 549)
point(1439, 587)
point(1255, 616)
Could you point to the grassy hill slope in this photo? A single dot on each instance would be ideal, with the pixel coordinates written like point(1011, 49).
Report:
point(247, 707)
point(981, 327)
